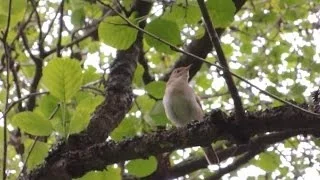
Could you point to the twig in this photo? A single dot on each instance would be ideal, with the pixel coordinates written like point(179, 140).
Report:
point(38, 72)
point(20, 100)
point(7, 57)
point(146, 76)
point(23, 26)
point(239, 111)
point(60, 29)
point(35, 141)
point(98, 91)
point(237, 163)
point(175, 48)
point(88, 34)
point(50, 26)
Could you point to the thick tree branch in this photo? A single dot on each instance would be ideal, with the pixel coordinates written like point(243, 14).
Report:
point(96, 157)
point(193, 164)
point(239, 111)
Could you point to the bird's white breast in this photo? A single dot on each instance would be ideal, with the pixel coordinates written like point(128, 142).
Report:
point(181, 106)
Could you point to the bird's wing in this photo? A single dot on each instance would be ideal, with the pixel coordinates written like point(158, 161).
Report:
point(198, 101)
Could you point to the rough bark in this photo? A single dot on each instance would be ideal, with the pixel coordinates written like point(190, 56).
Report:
point(216, 126)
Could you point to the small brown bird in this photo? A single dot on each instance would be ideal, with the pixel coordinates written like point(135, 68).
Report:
point(182, 105)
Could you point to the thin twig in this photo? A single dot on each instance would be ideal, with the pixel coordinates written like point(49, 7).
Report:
point(20, 100)
point(239, 111)
point(35, 141)
point(51, 24)
point(236, 164)
point(175, 48)
point(60, 30)
point(17, 85)
point(7, 57)
point(22, 26)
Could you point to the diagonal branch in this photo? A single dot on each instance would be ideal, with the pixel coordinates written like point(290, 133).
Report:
point(175, 48)
point(199, 47)
point(239, 111)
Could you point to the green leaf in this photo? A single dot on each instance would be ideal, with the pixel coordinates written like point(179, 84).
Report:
point(115, 32)
point(63, 77)
point(137, 78)
point(80, 119)
point(18, 8)
point(37, 155)
point(158, 115)
point(170, 33)
point(184, 14)
point(145, 103)
point(142, 167)
point(47, 105)
point(291, 143)
point(221, 12)
point(298, 89)
point(77, 17)
point(127, 128)
point(33, 123)
point(268, 161)
point(284, 171)
point(111, 173)
point(202, 81)
point(156, 89)
point(90, 75)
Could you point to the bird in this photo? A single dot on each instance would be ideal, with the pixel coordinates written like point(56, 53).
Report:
point(182, 105)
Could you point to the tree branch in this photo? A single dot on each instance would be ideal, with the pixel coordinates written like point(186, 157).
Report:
point(199, 47)
point(7, 56)
point(239, 111)
point(175, 48)
point(96, 157)
point(61, 9)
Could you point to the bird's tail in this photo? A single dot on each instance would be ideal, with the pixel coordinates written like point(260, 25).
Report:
point(211, 155)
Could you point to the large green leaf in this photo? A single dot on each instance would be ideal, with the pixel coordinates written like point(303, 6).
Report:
point(33, 123)
point(63, 77)
point(82, 114)
point(165, 30)
point(221, 12)
point(115, 32)
point(142, 167)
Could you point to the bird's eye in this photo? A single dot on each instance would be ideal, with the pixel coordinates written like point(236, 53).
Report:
point(178, 71)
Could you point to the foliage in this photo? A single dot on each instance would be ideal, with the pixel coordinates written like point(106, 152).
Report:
point(271, 43)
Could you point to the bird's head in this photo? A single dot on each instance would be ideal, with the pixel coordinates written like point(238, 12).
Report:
point(181, 73)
